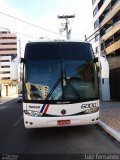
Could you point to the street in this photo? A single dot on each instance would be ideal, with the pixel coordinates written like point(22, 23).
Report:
point(16, 139)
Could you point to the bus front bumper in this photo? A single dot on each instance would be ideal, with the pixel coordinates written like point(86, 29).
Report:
point(44, 122)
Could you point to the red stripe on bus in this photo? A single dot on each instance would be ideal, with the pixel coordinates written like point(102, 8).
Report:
point(46, 108)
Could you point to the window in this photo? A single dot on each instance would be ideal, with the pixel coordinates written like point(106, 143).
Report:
point(96, 37)
point(5, 66)
point(5, 54)
point(114, 2)
point(5, 78)
point(59, 71)
point(4, 60)
point(95, 11)
point(93, 1)
point(8, 43)
point(96, 24)
point(8, 37)
point(5, 72)
point(102, 46)
point(61, 80)
point(100, 3)
point(64, 50)
point(96, 49)
point(8, 49)
point(4, 32)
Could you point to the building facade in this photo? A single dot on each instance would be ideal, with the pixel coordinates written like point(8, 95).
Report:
point(8, 51)
point(106, 14)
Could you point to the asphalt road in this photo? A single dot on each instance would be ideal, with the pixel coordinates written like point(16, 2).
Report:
point(16, 139)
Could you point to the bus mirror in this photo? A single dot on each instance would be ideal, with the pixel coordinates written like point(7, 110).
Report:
point(14, 68)
point(98, 66)
point(95, 59)
point(22, 60)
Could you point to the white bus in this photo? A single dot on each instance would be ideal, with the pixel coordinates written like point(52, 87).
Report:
point(60, 84)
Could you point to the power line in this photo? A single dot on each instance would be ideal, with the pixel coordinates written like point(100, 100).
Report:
point(100, 30)
point(19, 33)
point(16, 33)
point(79, 35)
point(30, 23)
point(23, 21)
point(23, 33)
point(102, 26)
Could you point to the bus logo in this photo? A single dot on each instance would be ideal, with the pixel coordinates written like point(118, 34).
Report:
point(89, 105)
point(35, 107)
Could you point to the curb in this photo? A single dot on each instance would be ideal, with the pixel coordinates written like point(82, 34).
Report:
point(115, 134)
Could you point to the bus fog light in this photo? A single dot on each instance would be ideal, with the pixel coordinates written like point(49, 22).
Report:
point(26, 122)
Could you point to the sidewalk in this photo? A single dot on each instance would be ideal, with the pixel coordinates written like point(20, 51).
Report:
point(7, 99)
point(110, 114)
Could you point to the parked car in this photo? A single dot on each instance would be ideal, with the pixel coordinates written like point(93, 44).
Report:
point(20, 97)
point(20, 93)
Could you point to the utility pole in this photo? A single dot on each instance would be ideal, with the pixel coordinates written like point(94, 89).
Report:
point(85, 37)
point(65, 25)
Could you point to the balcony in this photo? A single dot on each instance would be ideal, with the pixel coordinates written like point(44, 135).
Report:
point(9, 52)
point(7, 46)
point(8, 41)
point(8, 35)
point(106, 3)
point(4, 69)
point(111, 13)
point(5, 58)
point(111, 30)
point(5, 75)
point(95, 3)
point(5, 63)
point(114, 46)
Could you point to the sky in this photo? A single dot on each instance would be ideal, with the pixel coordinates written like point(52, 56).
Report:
point(43, 17)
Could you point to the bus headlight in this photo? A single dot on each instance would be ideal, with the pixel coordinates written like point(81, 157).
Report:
point(91, 110)
point(32, 113)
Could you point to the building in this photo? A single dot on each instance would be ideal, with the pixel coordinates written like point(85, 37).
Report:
point(8, 51)
point(106, 14)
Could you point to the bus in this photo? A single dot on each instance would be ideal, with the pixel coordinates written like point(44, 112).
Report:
point(60, 84)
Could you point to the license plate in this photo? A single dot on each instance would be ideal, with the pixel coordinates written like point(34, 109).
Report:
point(63, 122)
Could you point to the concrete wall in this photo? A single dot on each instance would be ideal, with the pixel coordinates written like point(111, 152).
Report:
point(12, 90)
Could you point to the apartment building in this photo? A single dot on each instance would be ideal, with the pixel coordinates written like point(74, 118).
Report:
point(106, 14)
point(8, 51)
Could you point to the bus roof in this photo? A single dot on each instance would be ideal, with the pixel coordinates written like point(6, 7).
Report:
point(55, 40)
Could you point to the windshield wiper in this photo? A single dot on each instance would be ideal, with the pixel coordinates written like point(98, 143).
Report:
point(61, 79)
point(53, 88)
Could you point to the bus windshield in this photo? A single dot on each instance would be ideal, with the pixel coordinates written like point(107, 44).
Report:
point(60, 80)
